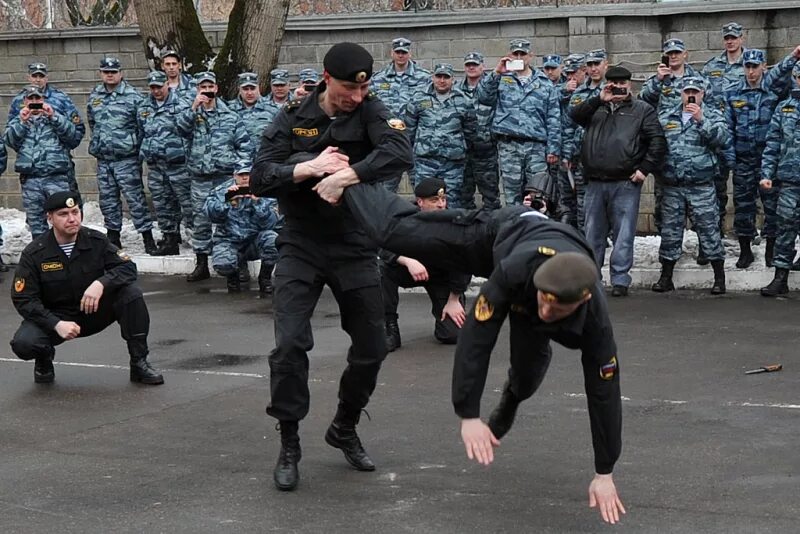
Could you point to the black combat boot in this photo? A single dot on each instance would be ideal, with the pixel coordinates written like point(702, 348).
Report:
point(168, 246)
point(200, 269)
point(244, 271)
point(745, 254)
point(233, 283)
point(141, 370)
point(392, 335)
point(342, 435)
point(265, 288)
point(664, 283)
point(702, 259)
point(286, 475)
point(502, 417)
point(43, 372)
point(769, 251)
point(719, 277)
point(779, 285)
point(113, 236)
point(150, 247)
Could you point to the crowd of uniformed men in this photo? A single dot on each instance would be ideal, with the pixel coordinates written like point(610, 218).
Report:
point(503, 132)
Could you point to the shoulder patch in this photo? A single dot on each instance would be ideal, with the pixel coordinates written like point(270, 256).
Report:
point(96, 102)
point(483, 309)
point(715, 73)
point(666, 90)
point(19, 284)
point(738, 103)
point(425, 104)
point(52, 266)
point(396, 124)
point(293, 104)
point(608, 370)
point(788, 109)
point(305, 132)
point(671, 125)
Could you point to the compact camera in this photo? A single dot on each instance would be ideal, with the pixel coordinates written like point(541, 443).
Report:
point(35, 105)
point(692, 100)
point(244, 190)
point(619, 91)
point(209, 94)
point(515, 64)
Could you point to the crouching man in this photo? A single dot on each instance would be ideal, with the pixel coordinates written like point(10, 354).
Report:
point(247, 227)
point(72, 282)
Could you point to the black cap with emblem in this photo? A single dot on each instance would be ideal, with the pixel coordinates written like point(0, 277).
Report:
point(348, 62)
point(430, 187)
point(565, 277)
point(62, 199)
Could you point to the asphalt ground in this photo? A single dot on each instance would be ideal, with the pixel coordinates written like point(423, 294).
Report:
point(706, 448)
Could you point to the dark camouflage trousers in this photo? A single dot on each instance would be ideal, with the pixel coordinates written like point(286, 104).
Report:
point(171, 189)
point(201, 227)
point(226, 254)
point(122, 177)
point(745, 192)
point(480, 170)
point(702, 202)
point(34, 193)
point(788, 222)
point(517, 160)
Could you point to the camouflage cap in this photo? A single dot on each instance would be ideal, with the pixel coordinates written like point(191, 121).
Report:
point(519, 45)
point(566, 277)
point(62, 199)
point(33, 90)
point(553, 60)
point(443, 68)
point(206, 76)
point(693, 82)
point(279, 77)
point(308, 75)
point(674, 45)
point(732, 28)
point(401, 44)
point(796, 70)
point(37, 68)
point(248, 79)
point(110, 64)
point(242, 166)
point(156, 78)
point(473, 58)
point(430, 187)
point(171, 53)
point(596, 56)
point(754, 56)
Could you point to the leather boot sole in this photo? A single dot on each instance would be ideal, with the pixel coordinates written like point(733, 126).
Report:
point(336, 444)
point(149, 380)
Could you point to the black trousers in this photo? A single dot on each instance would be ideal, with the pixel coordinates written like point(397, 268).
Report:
point(125, 306)
point(304, 267)
point(394, 276)
point(530, 356)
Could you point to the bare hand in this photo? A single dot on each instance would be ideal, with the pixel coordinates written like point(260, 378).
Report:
point(638, 177)
point(91, 297)
point(696, 110)
point(455, 311)
point(765, 184)
point(48, 110)
point(331, 188)
point(571, 85)
point(329, 161)
point(603, 495)
point(501, 65)
point(68, 330)
point(606, 95)
point(478, 440)
point(663, 71)
point(417, 271)
point(796, 52)
point(24, 114)
point(199, 100)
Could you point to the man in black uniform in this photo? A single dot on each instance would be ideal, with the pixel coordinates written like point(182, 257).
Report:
point(72, 282)
point(445, 288)
point(542, 277)
point(355, 137)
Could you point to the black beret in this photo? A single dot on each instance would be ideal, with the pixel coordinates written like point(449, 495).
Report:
point(618, 73)
point(430, 187)
point(348, 62)
point(565, 277)
point(62, 199)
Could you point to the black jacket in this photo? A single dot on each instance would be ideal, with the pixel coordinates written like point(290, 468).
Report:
point(48, 286)
point(620, 142)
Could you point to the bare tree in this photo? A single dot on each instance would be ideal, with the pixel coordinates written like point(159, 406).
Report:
point(104, 13)
point(253, 40)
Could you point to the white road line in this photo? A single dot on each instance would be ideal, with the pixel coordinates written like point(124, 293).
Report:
point(681, 402)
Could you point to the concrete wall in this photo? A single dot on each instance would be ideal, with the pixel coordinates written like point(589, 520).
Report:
point(632, 34)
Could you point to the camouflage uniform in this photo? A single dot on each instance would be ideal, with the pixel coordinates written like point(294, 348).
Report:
point(438, 131)
point(480, 168)
point(688, 179)
point(218, 139)
point(255, 119)
point(43, 161)
point(749, 111)
point(526, 124)
point(164, 151)
point(115, 143)
point(186, 88)
point(571, 152)
point(781, 163)
point(63, 104)
point(246, 229)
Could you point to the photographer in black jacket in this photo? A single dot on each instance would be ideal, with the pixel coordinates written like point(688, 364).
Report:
point(623, 143)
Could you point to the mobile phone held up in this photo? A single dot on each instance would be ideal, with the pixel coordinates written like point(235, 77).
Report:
point(239, 192)
point(515, 65)
point(35, 105)
point(691, 100)
point(209, 94)
point(665, 60)
point(619, 91)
